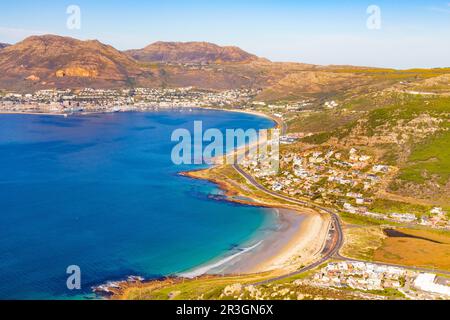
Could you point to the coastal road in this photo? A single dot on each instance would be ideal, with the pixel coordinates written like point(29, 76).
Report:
point(335, 239)
point(333, 244)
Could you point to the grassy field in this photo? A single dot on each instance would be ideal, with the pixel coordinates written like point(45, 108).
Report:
point(407, 107)
point(390, 206)
point(234, 288)
point(417, 252)
point(362, 242)
point(358, 220)
point(317, 122)
point(385, 74)
point(204, 288)
point(429, 159)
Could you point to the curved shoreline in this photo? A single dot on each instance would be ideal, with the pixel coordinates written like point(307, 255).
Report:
point(277, 250)
point(278, 121)
point(297, 240)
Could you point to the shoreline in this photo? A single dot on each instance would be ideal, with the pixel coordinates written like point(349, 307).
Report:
point(278, 249)
point(278, 121)
point(296, 239)
point(299, 239)
point(34, 113)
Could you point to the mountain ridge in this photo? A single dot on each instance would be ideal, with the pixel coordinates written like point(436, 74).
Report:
point(191, 52)
point(51, 60)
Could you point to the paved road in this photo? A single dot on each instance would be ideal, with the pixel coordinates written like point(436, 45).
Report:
point(336, 237)
point(334, 243)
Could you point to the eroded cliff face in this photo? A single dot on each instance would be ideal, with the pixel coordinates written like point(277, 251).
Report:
point(77, 72)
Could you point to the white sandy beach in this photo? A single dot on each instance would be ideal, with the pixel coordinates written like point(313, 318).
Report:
point(297, 240)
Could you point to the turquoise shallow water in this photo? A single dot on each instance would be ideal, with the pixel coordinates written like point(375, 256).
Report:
point(102, 193)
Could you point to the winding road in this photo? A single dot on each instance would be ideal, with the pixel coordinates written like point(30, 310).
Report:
point(335, 239)
point(334, 242)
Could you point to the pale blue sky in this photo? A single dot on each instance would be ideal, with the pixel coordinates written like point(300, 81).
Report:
point(413, 33)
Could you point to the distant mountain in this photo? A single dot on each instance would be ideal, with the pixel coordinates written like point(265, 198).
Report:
point(191, 52)
point(49, 61)
point(3, 45)
point(54, 61)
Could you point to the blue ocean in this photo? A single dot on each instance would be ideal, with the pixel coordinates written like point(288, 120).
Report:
point(101, 192)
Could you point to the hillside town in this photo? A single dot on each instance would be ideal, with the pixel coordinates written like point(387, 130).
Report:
point(378, 278)
point(355, 280)
point(106, 100)
point(345, 179)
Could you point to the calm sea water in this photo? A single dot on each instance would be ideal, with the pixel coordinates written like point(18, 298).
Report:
point(102, 193)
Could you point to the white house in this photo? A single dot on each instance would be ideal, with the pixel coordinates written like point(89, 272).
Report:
point(426, 282)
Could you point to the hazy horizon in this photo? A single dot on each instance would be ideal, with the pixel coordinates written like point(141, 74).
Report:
point(411, 34)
